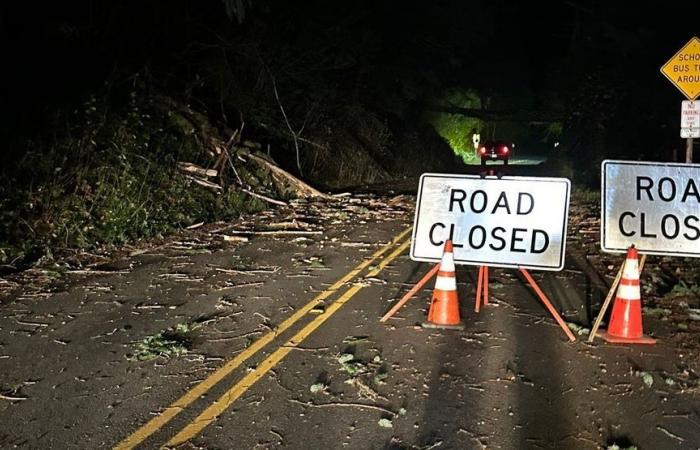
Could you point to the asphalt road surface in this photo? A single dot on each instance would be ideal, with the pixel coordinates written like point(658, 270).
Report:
point(285, 350)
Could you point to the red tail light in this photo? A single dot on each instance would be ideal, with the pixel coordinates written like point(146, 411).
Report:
point(505, 149)
point(482, 150)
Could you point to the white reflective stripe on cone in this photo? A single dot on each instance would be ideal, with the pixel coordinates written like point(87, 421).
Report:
point(631, 270)
point(448, 263)
point(446, 284)
point(627, 292)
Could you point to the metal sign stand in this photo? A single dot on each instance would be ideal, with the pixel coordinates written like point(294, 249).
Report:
point(431, 273)
point(482, 288)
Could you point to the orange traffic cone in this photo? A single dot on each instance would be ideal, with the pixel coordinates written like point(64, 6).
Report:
point(626, 319)
point(444, 307)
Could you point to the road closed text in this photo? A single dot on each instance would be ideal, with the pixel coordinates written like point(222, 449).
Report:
point(497, 237)
point(670, 225)
point(654, 206)
point(507, 222)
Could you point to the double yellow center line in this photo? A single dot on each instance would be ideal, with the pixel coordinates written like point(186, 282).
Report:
point(221, 404)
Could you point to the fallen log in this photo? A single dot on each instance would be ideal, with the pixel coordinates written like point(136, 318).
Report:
point(302, 189)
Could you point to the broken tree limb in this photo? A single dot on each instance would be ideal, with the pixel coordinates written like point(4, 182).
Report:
point(276, 232)
point(197, 170)
point(302, 189)
point(12, 398)
point(235, 238)
point(262, 197)
point(205, 183)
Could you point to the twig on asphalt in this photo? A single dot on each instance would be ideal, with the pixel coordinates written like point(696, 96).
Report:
point(32, 324)
point(272, 269)
point(95, 272)
point(11, 398)
point(669, 434)
point(279, 436)
point(341, 404)
point(277, 232)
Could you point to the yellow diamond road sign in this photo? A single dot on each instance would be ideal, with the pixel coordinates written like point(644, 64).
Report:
point(684, 69)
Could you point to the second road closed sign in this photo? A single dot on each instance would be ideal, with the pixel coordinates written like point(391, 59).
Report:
point(507, 222)
point(653, 206)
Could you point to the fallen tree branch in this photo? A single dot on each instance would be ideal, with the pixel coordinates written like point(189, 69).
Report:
point(205, 183)
point(197, 170)
point(262, 197)
point(276, 232)
point(235, 238)
point(302, 189)
point(12, 399)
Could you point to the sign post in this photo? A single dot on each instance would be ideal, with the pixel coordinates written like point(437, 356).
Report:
point(690, 119)
point(683, 70)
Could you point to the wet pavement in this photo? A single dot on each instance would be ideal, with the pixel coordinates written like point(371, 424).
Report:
point(71, 375)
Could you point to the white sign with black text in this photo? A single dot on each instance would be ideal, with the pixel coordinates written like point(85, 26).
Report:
point(690, 119)
point(653, 206)
point(501, 222)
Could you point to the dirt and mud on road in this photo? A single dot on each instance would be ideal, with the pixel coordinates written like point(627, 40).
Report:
point(265, 333)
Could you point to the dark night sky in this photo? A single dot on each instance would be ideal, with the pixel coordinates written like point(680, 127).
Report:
point(545, 50)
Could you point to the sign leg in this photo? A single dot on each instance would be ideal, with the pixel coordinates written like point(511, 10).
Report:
point(606, 303)
point(479, 279)
point(486, 285)
point(411, 293)
point(548, 304)
point(689, 150)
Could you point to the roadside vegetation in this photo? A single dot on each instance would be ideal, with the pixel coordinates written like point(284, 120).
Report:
point(108, 177)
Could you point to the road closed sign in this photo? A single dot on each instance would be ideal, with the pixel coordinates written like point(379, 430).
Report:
point(653, 206)
point(507, 222)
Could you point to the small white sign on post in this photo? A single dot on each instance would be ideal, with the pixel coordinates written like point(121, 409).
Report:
point(517, 222)
point(690, 119)
point(653, 206)
point(690, 133)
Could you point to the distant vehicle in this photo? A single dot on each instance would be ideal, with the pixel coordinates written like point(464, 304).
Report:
point(495, 150)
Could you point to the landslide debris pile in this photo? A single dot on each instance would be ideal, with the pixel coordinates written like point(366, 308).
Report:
point(121, 173)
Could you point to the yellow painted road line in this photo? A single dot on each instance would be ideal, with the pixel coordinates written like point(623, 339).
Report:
point(205, 385)
point(222, 403)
